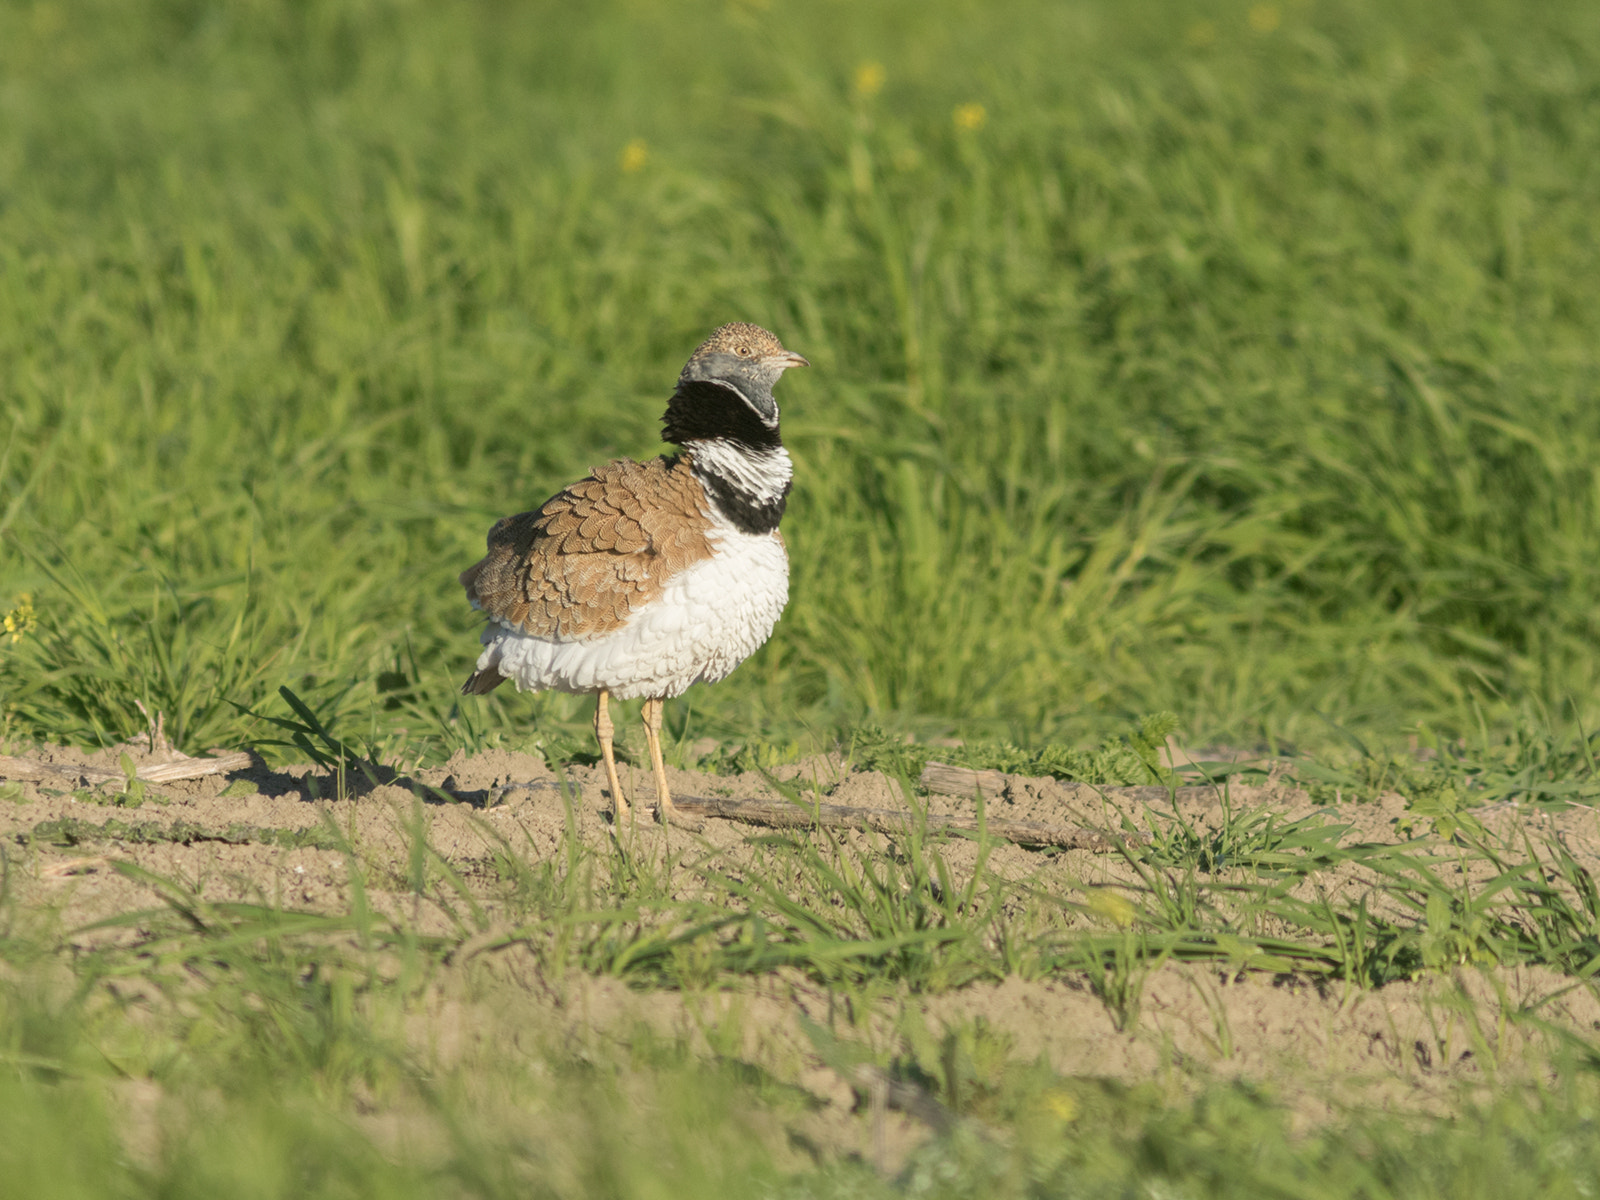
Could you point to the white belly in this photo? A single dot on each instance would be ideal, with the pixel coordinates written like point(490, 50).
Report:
point(707, 620)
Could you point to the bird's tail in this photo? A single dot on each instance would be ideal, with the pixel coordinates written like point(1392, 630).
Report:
point(480, 682)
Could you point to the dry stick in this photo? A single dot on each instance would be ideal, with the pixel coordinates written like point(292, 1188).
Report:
point(950, 781)
point(184, 768)
point(965, 781)
point(961, 781)
point(193, 768)
point(784, 815)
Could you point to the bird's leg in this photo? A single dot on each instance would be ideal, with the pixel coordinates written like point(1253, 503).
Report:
point(603, 729)
point(652, 735)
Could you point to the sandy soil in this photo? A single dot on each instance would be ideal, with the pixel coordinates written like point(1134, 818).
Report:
point(1420, 1045)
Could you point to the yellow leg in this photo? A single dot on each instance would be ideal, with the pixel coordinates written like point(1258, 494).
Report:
point(652, 735)
point(603, 729)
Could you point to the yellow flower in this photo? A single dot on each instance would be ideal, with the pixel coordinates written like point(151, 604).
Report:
point(1111, 906)
point(1201, 33)
point(634, 156)
point(20, 620)
point(869, 79)
point(970, 116)
point(1061, 1104)
point(1264, 18)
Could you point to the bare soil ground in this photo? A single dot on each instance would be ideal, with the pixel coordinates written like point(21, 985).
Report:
point(1414, 1046)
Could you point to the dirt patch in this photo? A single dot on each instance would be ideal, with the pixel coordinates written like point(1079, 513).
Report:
point(292, 837)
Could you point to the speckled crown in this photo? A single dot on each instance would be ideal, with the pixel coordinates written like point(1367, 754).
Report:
point(740, 335)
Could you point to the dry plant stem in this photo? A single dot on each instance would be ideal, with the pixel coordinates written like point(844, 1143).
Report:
point(187, 768)
point(782, 814)
point(604, 730)
point(192, 768)
point(652, 735)
point(961, 781)
point(965, 781)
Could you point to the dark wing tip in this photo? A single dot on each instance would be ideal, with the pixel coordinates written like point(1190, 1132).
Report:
point(482, 682)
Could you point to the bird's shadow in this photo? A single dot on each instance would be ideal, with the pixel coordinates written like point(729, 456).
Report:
point(362, 779)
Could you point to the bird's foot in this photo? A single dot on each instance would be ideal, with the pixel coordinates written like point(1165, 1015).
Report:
point(670, 815)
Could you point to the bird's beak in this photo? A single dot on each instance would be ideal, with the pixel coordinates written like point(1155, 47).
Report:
point(791, 359)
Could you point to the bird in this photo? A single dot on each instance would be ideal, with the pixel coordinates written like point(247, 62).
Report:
point(644, 578)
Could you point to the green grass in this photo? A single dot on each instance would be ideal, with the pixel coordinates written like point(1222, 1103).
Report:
point(1246, 373)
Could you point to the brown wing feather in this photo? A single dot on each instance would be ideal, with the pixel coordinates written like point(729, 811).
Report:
point(593, 554)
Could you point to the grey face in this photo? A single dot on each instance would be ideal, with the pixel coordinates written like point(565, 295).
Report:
point(751, 376)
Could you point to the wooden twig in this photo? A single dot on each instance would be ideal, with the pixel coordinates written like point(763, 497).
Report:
point(27, 768)
point(783, 815)
point(962, 781)
point(965, 781)
point(184, 768)
point(193, 768)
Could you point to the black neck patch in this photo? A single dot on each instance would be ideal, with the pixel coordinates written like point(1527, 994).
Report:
point(701, 410)
point(748, 514)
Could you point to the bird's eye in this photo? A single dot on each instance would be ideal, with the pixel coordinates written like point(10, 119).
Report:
point(743, 351)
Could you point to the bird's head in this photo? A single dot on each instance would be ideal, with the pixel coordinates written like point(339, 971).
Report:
point(746, 359)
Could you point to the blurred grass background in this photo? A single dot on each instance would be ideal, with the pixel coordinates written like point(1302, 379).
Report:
point(1234, 359)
